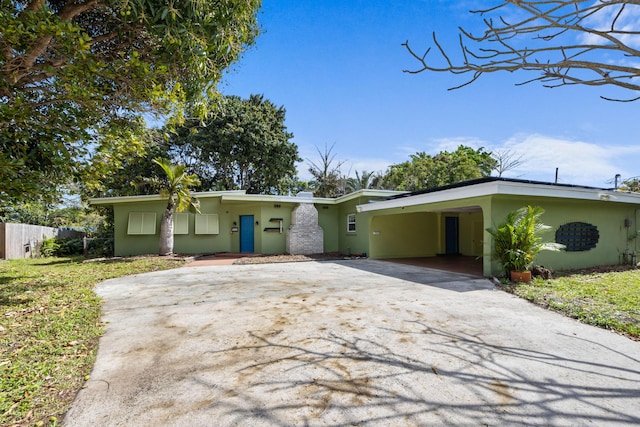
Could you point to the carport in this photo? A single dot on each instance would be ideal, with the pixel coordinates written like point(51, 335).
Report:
point(443, 237)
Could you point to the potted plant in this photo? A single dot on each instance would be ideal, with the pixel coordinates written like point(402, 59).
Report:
point(517, 241)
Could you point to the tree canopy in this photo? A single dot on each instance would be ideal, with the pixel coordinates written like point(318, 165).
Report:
point(128, 175)
point(243, 145)
point(426, 171)
point(72, 72)
point(363, 181)
point(564, 42)
point(631, 184)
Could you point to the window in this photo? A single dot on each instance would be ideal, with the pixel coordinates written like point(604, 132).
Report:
point(142, 223)
point(207, 224)
point(351, 223)
point(578, 236)
point(180, 223)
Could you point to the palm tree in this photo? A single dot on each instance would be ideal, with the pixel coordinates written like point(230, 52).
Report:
point(177, 190)
point(360, 182)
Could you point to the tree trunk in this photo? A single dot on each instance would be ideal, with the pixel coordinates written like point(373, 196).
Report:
point(166, 231)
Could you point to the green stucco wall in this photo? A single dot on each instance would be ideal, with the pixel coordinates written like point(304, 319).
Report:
point(267, 242)
point(332, 218)
point(471, 233)
point(358, 242)
point(328, 220)
point(124, 244)
point(608, 217)
point(414, 234)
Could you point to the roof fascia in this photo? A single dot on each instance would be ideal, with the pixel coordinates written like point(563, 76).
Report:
point(272, 198)
point(156, 197)
point(242, 196)
point(504, 188)
point(368, 193)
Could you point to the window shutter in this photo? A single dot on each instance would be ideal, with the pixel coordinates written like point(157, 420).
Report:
point(207, 224)
point(180, 223)
point(142, 223)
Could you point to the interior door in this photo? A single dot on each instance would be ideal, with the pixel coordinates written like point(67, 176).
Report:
point(246, 233)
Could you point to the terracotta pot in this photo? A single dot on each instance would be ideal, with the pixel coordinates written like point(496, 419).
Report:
point(521, 276)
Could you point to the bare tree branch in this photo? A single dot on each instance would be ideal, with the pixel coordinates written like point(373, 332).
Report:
point(579, 42)
point(506, 160)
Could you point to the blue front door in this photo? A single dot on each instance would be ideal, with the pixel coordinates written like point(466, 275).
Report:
point(246, 233)
point(451, 235)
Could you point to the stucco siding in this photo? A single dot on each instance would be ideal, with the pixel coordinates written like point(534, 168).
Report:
point(226, 240)
point(328, 220)
point(404, 235)
point(471, 233)
point(356, 242)
point(608, 217)
point(125, 244)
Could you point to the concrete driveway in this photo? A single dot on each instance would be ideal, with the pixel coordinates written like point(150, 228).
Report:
point(359, 342)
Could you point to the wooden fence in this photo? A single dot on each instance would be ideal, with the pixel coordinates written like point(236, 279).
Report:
point(23, 240)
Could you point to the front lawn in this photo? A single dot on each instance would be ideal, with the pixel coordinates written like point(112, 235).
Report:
point(610, 300)
point(49, 329)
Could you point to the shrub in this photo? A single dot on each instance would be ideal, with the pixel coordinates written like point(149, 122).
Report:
point(100, 247)
point(517, 240)
point(49, 247)
point(69, 246)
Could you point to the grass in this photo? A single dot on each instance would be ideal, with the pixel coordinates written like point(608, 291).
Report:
point(608, 299)
point(49, 329)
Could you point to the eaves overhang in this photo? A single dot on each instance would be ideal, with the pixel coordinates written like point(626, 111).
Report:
point(242, 196)
point(157, 197)
point(503, 187)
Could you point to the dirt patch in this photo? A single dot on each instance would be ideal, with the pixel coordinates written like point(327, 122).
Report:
point(599, 269)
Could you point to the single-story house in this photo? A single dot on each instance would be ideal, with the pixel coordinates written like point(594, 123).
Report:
point(598, 226)
point(233, 221)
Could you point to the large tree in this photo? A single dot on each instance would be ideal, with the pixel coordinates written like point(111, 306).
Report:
point(127, 175)
point(244, 144)
point(426, 171)
point(573, 42)
point(72, 71)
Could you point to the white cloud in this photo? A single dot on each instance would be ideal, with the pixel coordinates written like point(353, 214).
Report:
point(578, 162)
point(626, 22)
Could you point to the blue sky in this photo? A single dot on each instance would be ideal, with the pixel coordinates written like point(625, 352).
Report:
point(337, 68)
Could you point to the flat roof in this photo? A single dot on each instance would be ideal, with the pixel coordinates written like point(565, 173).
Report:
point(506, 186)
point(242, 196)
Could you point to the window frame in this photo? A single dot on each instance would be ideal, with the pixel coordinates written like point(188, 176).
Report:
point(351, 224)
